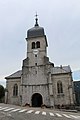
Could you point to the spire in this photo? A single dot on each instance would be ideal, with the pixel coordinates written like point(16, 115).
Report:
point(36, 24)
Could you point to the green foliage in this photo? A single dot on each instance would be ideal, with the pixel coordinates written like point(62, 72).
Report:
point(2, 92)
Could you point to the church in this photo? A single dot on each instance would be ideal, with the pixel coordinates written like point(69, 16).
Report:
point(39, 82)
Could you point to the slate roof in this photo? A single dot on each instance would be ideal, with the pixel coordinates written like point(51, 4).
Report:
point(15, 75)
point(35, 32)
point(61, 70)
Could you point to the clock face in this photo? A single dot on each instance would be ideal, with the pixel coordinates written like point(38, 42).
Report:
point(35, 52)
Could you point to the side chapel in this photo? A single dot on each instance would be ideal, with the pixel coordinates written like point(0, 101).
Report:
point(39, 82)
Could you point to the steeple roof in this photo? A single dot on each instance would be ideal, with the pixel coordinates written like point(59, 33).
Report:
point(35, 31)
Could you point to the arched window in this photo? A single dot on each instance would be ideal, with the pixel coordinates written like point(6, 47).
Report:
point(33, 45)
point(59, 87)
point(15, 90)
point(37, 44)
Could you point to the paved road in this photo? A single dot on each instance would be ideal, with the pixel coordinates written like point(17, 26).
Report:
point(11, 112)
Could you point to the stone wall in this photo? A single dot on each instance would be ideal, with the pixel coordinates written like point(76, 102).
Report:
point(29, 91)
point(65, 98)
point(9, 86)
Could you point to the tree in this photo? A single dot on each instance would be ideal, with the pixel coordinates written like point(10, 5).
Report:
point(2, 93)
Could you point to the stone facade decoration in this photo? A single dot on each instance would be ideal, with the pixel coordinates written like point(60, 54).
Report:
point(39, 83)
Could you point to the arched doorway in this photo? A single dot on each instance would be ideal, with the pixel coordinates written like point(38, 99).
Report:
point(36, 100)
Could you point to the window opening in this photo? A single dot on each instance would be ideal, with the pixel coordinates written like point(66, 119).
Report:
point(35, 55)
point(59, 87)
point(37, 44)
point(15, 90)
point(33, 45)
point(36, 64)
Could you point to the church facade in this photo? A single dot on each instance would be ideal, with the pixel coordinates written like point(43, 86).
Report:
point(39, 82)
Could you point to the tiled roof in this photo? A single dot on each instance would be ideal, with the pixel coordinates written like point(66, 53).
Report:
point(15, 75)
point(61, 70)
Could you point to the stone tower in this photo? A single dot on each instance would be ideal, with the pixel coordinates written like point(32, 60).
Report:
point(35, 89)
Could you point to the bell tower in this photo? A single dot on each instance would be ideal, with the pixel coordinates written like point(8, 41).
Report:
point(34, 69)
point(36, 44)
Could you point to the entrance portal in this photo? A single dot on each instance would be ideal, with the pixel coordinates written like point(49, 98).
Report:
point(36, 100)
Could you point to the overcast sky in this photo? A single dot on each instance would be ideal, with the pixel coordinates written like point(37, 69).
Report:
point(61, 22)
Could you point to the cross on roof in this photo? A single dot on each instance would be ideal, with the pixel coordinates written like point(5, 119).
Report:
point(36, 20)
